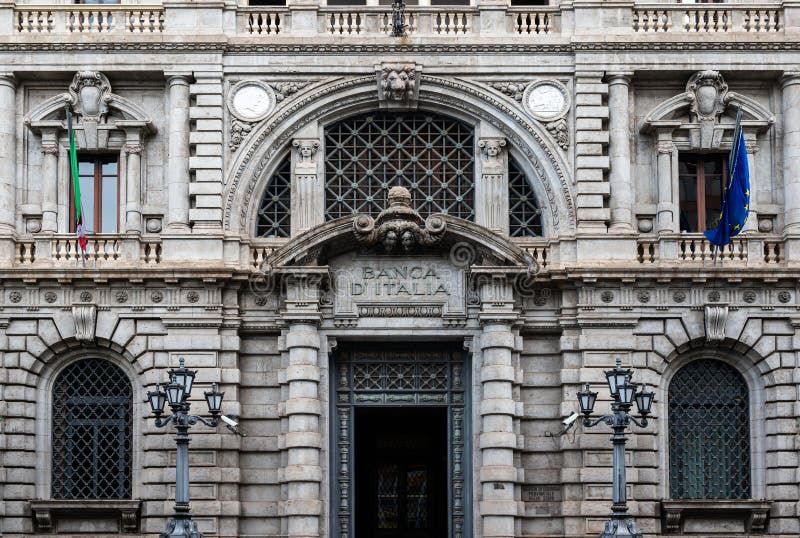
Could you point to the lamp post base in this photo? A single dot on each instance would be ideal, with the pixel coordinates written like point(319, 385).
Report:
point(620, 528)
point(181, 526)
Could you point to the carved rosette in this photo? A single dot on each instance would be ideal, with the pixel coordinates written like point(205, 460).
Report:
point(399, 227)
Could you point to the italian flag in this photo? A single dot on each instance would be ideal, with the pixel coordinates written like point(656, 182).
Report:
point(76, 184)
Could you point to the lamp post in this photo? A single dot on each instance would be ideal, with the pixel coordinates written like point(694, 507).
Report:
point(624, 394)
point(177, 395)
point(398, 18)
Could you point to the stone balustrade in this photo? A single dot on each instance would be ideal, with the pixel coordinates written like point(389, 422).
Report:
point(102, 251)
point(694, 249)
point(707, 18)
point(347, 22)
point(88, 19)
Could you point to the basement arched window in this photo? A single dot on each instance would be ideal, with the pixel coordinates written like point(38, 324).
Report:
point(709, 432)
point(525, 213)
point(92, 431)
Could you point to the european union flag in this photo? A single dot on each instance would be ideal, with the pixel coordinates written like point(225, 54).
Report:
point(736, 198)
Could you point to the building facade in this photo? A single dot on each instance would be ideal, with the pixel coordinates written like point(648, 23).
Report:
point(400, 257)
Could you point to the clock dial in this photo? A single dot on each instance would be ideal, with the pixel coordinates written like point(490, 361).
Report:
point(252, 101)
point(546, 100)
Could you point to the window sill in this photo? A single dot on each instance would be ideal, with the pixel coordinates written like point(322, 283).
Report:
point(705, 516)
point(46, 513)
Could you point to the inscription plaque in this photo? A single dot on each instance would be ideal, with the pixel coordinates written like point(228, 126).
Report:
point(397, 286)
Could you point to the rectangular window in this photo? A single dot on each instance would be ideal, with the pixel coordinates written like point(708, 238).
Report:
point(99, 181)
point(700, 181)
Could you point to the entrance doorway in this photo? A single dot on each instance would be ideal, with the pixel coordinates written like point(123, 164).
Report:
point(400, 442)
point(401, 472)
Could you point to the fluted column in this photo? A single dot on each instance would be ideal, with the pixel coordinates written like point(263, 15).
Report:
point(133, 205)
point(491, 189)
point(178, 163)
point(667, 217)
point(307, 189)
point(303, 472)
point(619, 152)
point(8, 152)
point(497, 440)
point(50, 152)
point(790, 106)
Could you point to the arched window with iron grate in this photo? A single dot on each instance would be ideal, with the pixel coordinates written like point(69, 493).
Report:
point(92, 431)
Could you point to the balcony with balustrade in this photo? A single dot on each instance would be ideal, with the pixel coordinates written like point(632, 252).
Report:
point(490, 19)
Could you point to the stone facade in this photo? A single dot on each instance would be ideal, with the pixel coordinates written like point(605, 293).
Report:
point(202, 101)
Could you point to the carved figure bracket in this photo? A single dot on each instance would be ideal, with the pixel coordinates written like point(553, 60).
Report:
point(398, 85)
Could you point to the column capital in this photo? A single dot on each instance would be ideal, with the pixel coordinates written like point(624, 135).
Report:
point(790, 78)
point(619, 77)
point(665, 146)
point(492, 149)
point(306, 149)
point(50, 149)
point(133, 148)
point(182, 79)
point(8, 79)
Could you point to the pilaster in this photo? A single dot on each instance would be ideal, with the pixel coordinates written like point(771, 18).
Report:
point(303, 407)
point(133, 204)
point(205, 146)
point(50, 151)
point(667, 207)
point(497, 440)
point(790, 107)
point(8, 151)
point(619, 152)
point(491, 189)
point(178, 156)
point(307, 186)
point(591, 158)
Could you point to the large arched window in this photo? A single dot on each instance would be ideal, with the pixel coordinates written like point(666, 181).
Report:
point(274, 211)
point(91, 433)
point(524, 212)
point(709, 432)
point(431, 155)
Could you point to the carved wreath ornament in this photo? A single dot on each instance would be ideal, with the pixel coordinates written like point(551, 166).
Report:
point(399, 227)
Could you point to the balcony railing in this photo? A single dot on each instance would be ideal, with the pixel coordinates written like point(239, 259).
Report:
point(694, 249)
point(89, 19)
point(101, 251)
point(707, 18)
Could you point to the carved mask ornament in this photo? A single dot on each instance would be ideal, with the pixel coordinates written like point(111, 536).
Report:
point(708, 94)
point(399, 227)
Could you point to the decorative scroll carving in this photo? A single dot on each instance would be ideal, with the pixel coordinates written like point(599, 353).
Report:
point(287, 88)
point(716, 316)
point(89, 93)
point(399, 223)
point(398, 85)
point(84, 317)
point(708, 94)
point(239, 131)
point(560, 132)
point(515, 90)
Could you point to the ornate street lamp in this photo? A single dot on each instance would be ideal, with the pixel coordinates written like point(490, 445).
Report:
point(177, 395)
point(624, 394)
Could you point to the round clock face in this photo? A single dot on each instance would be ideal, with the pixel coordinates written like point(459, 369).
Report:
point(252, 101)
point(546, 100)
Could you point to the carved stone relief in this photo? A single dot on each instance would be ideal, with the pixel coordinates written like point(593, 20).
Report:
point(398, 85)
point(84, 317)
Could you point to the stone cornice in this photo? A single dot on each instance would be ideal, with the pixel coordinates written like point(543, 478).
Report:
point(312, 49)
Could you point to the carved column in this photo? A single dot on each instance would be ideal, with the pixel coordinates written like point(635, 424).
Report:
point(619, 152)
point(667, 210)
point(303, 472)
point(178, 162)
point(491, 189)
point(133, 204)
point(751, 225)
point(8, 152)
point(790, 106)
point(50, 180)
point(308, 193)
point(497, 440)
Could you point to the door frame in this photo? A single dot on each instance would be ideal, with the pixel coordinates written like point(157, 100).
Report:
point(345, 397)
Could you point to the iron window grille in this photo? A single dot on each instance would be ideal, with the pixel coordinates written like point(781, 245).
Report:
point(431, 155)
point(91, 432)
point(274, 211)
point(709, 432)
point(525, 214)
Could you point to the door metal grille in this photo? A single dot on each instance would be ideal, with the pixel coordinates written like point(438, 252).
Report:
point(709, 432)
point(432, 156)
point(91, 434)
point(274, 211)
point(525, 214)
point(381, 378)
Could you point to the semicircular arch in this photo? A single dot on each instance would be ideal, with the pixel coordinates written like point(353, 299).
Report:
point(462, 100)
